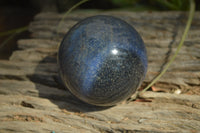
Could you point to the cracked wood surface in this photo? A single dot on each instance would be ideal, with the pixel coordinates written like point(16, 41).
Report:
point(32, 100)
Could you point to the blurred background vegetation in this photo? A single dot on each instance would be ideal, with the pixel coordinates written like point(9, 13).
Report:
point(18, 13)
point(134, 5)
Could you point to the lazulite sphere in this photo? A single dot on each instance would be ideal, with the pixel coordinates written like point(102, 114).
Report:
point(102, 60)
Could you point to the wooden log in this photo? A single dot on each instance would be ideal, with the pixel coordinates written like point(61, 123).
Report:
point(32, 100)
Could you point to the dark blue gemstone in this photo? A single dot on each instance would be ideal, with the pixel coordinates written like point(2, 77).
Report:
point(102, 60)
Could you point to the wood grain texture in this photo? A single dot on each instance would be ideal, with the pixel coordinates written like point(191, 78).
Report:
point(32, 100)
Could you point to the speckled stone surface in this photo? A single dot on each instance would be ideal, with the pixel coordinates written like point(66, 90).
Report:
point(102, 60)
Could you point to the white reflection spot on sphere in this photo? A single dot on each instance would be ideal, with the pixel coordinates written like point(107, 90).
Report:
point(114, 51)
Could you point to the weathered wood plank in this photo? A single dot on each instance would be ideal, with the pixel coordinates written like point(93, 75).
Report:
point(32, 100)
point(121, 117)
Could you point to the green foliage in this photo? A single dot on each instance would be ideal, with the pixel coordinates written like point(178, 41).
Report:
point(124, 3)
point(174, 4)
point(152, 4)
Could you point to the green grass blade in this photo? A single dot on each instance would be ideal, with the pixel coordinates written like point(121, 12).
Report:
point(71, 9)
point(189, 21)
point(18, 30)
point(13, 33)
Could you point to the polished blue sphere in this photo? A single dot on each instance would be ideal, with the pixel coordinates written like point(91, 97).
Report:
point(102, 60)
